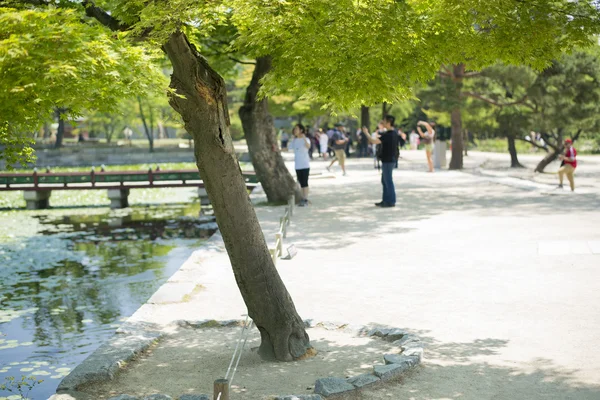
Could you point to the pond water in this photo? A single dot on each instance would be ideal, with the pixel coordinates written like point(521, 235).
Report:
point(70, 276)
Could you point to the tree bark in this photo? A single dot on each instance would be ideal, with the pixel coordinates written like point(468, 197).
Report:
point(202, 103)
point(512, 149)
point(551, 156)
point(365, 117)
point(456, 162)
point(261, 138)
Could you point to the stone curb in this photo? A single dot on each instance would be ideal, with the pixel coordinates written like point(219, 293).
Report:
point(104, 363)
point(396, 365)
point(129, 340)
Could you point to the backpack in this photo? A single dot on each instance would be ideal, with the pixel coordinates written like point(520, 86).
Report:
point(331, 141)
point(337, 135)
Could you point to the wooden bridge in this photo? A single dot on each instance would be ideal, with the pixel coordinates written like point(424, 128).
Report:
point(37, 187)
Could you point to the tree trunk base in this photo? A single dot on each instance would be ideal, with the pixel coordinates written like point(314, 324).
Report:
point(283, 343)
point(547, 160)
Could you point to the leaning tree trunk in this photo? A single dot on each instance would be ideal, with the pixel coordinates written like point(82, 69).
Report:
point(456, 162)
point(512, 149)
point(551, 156)
point(260, 135)
point(202, 102)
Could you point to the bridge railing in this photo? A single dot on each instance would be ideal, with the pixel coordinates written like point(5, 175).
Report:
point(100, 179)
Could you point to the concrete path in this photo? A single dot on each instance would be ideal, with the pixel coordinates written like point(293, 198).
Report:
point(501, 279)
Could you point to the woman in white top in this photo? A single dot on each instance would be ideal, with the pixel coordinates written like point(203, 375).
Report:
point(300, 144)
point(323, 143)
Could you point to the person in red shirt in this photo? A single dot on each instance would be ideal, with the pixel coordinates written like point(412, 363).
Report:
point(569, 163)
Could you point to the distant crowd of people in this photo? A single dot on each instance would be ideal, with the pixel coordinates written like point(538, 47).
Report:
point(383, 145)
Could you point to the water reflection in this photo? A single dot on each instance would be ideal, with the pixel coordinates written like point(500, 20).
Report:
point(65, 290)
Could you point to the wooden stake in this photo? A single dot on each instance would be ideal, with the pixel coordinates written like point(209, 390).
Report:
point(221, 386)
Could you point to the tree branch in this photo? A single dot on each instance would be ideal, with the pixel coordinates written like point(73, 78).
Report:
point(444, 74)
point(217, 53)
point(242, 62)
point(448, 71)
point(112, 23)
point(471, 74)
point(494, 102)
point(91, 10)
point(546, 138)
point(534, 144)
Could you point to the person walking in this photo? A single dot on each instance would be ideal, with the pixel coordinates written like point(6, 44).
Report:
point(311, 139)
point(301, 145)
point(284, 139)
point(339, 141)
point(323, 143)
point(363, 141)
point(379, 131)
point(388, 155)
point(427, 141)
point(414, 140)
point(349, 143)
point(569, 163)
point(401, 143)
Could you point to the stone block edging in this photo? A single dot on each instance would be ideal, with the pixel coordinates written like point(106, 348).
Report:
point(129, 340)
point(103, 364)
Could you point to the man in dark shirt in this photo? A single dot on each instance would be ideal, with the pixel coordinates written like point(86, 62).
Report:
point(388, 157)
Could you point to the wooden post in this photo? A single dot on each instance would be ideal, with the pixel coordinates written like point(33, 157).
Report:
point(221, 386)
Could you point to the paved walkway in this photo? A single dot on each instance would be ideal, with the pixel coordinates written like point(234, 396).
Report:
point(500, 278)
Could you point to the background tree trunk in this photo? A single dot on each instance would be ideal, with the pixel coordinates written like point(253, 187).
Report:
point(512, 149)
point(551, 156)
point(384, 110)
point(60, 131)
point(148, 130)
point(261, 138)
point(206, 118)
point(47, 130)
point(456, 162)
point(365, 117)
